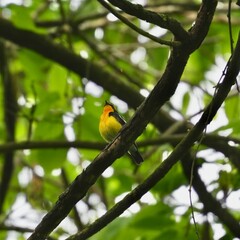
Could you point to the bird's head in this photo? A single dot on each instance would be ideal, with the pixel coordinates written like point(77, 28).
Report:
point(109, 107)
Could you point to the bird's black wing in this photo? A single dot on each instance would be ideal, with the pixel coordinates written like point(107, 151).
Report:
point(133, 151)
point(118, 117)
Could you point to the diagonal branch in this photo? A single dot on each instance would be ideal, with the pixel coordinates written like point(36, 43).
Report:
point(200, 26)
point(55, 52)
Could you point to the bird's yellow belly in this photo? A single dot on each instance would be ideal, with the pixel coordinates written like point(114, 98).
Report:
point(109, 128)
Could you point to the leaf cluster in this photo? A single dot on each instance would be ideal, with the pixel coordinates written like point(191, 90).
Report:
point(59, 62)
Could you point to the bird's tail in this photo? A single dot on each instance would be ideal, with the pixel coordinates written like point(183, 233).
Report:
point(135, 155)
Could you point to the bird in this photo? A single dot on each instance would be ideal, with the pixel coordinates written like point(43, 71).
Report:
point(110, 124)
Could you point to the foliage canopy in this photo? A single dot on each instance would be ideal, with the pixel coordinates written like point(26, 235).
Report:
point(172, 62)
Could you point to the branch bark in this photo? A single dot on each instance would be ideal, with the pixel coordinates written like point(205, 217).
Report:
point(135, 28)
point(10, 113)
point(160, 20)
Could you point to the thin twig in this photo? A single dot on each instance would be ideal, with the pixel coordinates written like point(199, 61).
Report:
point(230, 25)
point(160, 20)
point(198, 146)
point(135, 28)
point(230, 32)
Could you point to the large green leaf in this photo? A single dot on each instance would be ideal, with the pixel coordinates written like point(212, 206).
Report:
point(147, 224)
point(49, 159)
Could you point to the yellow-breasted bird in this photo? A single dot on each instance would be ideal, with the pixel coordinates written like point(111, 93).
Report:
point(110, 124)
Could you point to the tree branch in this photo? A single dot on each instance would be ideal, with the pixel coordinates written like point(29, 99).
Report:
point(57, 53)
point(138, 30)
point(4, 227)
point(218, 143)
point(160, 20)
point(200, 26)
point(10, 113)
point(50, 144)
point(92, 71)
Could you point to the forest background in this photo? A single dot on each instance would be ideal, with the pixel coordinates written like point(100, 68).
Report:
point(171, 69)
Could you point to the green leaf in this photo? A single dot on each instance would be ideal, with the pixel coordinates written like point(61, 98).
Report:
point(49, 159)
point(232, 108)
point(34, 66)
point(21, 16)
point(185, 103)
point(147, 224)
point(172, 181)
point(86, 125)
point(49, 129)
